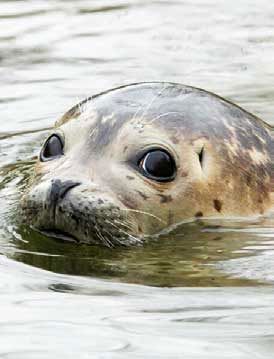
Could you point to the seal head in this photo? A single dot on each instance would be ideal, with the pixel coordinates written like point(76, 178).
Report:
point(134, 160)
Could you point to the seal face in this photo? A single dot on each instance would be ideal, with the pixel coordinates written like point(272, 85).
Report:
point(134, 160)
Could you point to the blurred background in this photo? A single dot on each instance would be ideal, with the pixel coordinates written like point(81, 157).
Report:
point(54, 53)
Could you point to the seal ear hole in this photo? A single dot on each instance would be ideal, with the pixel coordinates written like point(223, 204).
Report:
point(201, 157)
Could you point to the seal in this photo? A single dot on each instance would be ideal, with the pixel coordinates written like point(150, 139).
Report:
point(134, 160)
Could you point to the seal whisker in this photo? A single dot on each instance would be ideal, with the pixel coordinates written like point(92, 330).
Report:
point(163, 115)
point(117, 240)
point(143, 212)
point(159, 93)
point(119, 225)
point(128, 224)
point(128, 235)
point(114, 238)
point(92, 132)
point(118, 228)
point(105, 240)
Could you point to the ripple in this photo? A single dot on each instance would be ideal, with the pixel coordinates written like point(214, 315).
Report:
point(196, 293)
point(103, 9)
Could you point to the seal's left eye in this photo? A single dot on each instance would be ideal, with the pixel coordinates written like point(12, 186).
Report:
point(52, 149)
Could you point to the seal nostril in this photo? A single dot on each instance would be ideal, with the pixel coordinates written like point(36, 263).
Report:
point(59, 189)
point(67, 186)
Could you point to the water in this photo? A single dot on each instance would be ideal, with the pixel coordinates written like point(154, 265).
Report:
point(206, 291)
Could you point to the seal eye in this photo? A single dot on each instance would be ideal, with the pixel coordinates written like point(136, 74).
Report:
point(52, 149)
point(158, 165)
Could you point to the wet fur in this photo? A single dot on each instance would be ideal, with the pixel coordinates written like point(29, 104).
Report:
point(224, 156)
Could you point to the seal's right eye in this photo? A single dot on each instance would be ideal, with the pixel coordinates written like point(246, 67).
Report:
point(158, 165)
point(52, 149)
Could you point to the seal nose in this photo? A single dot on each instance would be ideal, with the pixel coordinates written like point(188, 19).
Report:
point(59, 189)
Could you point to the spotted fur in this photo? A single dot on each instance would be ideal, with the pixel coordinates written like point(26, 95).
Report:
point(224, 158)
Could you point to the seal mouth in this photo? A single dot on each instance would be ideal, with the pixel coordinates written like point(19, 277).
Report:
point(57, 234)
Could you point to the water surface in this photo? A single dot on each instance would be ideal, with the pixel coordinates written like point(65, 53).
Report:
point(205, 290)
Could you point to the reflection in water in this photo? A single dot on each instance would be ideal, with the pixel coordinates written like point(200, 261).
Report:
point(186, 257)
point(52, 55)
point(192, 254)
